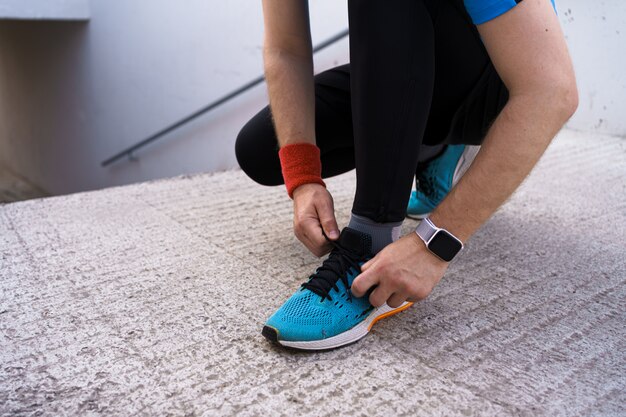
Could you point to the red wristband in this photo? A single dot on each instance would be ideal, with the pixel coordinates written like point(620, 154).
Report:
point(300, 163)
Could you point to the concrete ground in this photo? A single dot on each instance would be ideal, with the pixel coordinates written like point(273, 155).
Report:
point(149, 300)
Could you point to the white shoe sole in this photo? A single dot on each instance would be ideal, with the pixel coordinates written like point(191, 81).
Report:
point(465, 161)
point(350, 336)
point(418, 216)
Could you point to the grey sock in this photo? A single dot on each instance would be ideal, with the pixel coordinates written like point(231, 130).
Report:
point(382, 233)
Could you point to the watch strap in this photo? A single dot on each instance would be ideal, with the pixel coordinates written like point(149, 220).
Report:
point(426, 230)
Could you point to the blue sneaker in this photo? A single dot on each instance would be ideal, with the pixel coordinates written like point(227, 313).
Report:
point(438, 177)
point(323, 313)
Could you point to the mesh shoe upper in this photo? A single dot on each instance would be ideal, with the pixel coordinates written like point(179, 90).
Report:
point(324, 306)
point(435, 181)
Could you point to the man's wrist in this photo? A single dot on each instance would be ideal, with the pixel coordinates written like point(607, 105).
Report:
point(306, 188)
point(439, 241)
point(300, 164)
point(421, 247)
point(458, 228)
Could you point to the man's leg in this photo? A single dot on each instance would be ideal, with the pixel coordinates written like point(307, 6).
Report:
point(392, 77)
point(390, 96)
point(391, 85)
point(455, 94)
point(256, 147)
point(323, 313)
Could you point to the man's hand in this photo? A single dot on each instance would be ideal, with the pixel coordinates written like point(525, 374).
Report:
point(313, 209)
point(404, 271)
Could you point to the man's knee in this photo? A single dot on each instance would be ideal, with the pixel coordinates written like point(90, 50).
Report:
point(255, 154)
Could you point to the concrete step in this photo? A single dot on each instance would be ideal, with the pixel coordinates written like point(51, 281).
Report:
point(149, 300)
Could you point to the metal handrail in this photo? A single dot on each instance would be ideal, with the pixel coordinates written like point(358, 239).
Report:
point(130, 150)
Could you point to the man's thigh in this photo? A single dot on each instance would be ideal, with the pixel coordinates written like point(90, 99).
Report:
point(257, 145)
point(333, 111)
point(333, 120)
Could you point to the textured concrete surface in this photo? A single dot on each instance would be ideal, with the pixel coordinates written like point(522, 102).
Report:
point(149, 299)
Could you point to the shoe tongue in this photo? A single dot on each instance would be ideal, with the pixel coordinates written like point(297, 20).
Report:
point(357, 242)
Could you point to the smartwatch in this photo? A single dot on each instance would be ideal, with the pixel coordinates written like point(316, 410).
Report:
point(440, 242)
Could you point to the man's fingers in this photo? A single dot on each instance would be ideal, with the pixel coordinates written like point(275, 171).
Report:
point(396, 300)
point(326, 213)
point(379, 296)
point(310, 233)
point(318, 245)
point(317, 249)
point(314, 217)
point(367, 265)
point(363, 282)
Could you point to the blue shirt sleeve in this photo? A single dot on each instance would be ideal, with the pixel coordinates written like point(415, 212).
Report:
point(482, 11)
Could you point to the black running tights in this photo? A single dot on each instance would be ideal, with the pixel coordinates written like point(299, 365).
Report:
point(419, 76)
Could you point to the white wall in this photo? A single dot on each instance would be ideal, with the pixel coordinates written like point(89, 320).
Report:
point(73, 94)
point(596, 33)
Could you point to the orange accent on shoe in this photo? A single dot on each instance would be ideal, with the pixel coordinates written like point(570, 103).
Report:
point(389, 313)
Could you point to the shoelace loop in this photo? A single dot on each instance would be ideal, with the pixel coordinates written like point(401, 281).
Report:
point(335, 267)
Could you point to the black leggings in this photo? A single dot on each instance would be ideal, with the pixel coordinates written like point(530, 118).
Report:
point(418, 76)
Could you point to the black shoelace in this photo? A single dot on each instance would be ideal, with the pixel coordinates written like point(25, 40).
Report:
point(335, 267)
point(427, 185)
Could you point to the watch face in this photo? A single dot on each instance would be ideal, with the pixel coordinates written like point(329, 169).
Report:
point(444, 246)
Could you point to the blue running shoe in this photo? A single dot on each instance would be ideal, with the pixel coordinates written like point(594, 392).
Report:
point(323, 313)
point(438, 177)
